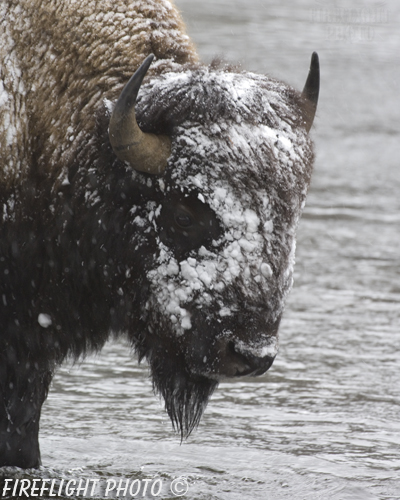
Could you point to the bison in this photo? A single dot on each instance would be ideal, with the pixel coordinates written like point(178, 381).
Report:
point(164, 210)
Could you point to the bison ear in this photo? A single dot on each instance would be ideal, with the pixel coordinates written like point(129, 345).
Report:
point(145, 152)
point(311, 91)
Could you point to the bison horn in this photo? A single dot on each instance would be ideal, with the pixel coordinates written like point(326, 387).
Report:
point(311, 91)
point(144, 151)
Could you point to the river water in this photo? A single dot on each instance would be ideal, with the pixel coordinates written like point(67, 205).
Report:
point(324, 422)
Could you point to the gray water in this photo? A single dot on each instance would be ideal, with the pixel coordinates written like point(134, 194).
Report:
point(324, 422)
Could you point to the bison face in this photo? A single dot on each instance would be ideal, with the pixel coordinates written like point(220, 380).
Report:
point(233, 188)
point(218, 288)
point(197, 264)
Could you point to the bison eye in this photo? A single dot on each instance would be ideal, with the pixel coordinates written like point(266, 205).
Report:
point(183, 220)
point(186, 223)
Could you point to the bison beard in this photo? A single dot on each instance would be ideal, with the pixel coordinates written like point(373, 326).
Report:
point(186, 395)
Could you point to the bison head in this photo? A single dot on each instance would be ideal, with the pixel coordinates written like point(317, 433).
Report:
point(233, 162)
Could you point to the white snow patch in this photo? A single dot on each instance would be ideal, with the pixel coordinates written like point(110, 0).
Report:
point(186, 324)
point(266, 270)
point(44, 320)
point(270, 348)
point(225, 311)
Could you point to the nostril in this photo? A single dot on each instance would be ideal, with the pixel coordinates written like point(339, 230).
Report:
point(234, 364)
point(235, 353)
point(231, 347)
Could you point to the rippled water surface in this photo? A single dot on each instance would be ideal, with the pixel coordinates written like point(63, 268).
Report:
point(324, 422)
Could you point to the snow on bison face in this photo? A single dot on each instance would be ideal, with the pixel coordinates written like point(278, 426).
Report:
point(235, 181)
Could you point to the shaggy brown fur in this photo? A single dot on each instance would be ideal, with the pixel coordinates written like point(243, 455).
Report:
point(60, 59)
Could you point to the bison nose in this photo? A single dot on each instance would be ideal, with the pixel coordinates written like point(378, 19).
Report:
point(240, 360)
